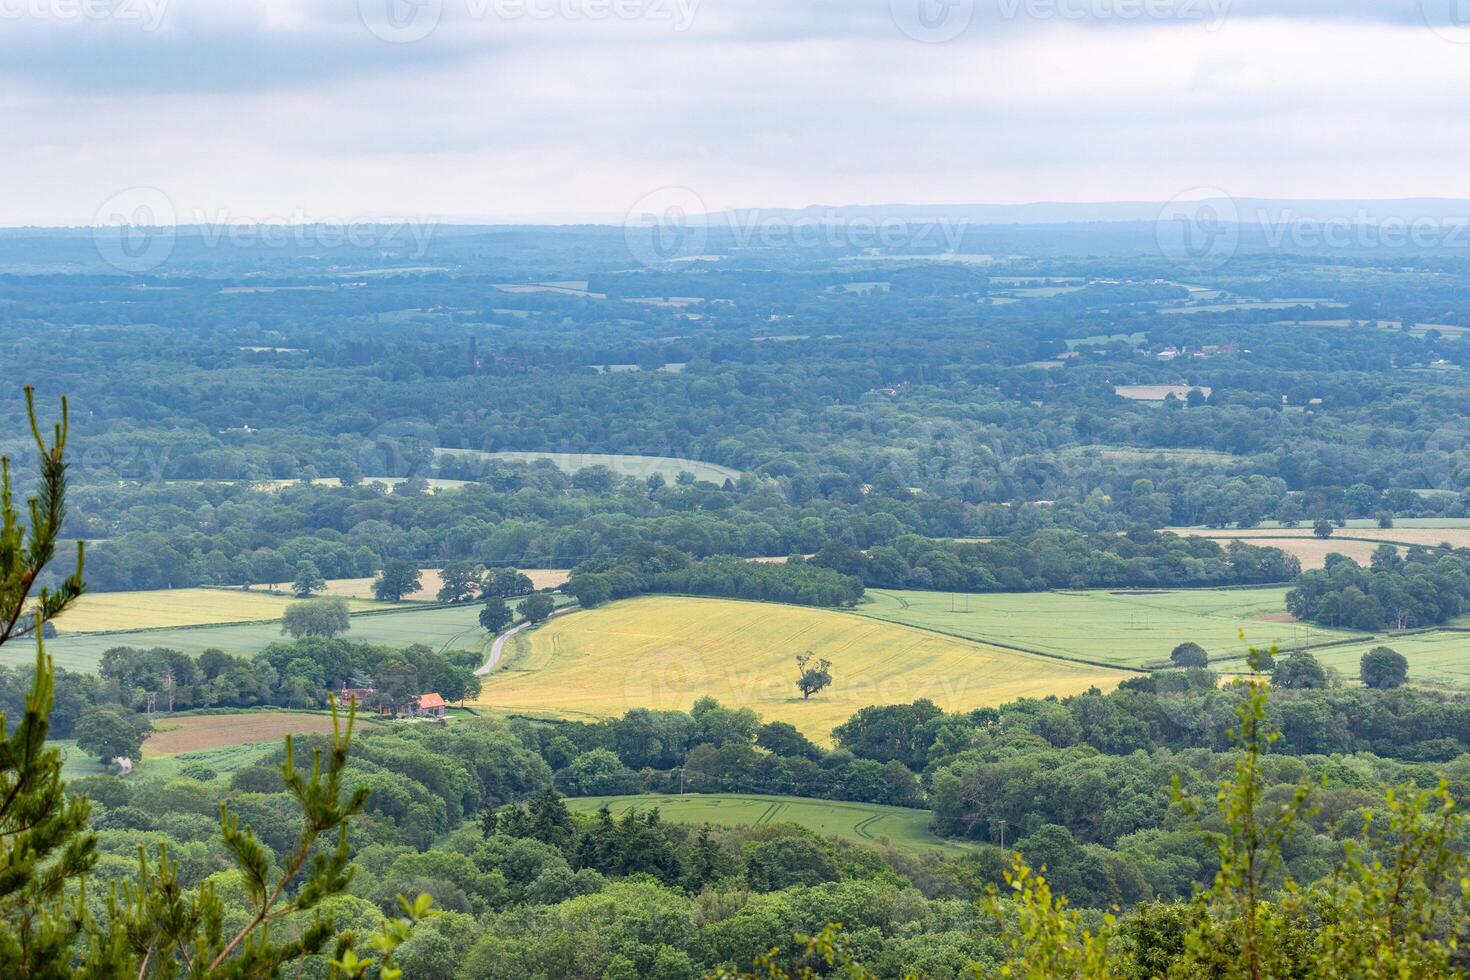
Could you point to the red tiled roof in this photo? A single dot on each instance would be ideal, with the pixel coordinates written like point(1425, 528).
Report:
point(430, 701)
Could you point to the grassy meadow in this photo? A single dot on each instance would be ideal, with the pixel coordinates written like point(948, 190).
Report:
point(1311, 551)
point(636, 466)
point(865, 823)
point(664, 652)
point(430, 581)
point(225, 761)
point(1156, 393)
point(1437, 658)
point(1369, 524)
point(1128, 628)
point(1449, 531)
point(452, 627)
point(275, 486)
point(1357, 541)
point(107, 612)
point(224, 743)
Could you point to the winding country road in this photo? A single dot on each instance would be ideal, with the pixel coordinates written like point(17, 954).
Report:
point(499, 644)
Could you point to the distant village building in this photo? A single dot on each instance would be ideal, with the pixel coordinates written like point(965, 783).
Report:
point(350, 694)
point(427, 705)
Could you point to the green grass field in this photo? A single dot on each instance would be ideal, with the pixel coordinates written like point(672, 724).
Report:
point(103, 612)
point(636, 466)
point(1132, 628)
point(455, 627)
point(225, 761)
point(1439, 658)
point(865, 823)
point(1136, 452)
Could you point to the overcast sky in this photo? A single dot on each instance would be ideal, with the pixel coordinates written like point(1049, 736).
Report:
point(475, 109)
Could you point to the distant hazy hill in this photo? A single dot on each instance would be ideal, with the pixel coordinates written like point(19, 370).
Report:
point(1249, 210)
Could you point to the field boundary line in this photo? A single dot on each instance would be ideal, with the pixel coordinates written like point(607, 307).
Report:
point(396, 610)
point(855, 610)
point(1004, 646)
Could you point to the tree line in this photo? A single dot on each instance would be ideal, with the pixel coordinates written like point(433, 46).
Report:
point(1059, 560)
point(667, 571)
point(1426, 587)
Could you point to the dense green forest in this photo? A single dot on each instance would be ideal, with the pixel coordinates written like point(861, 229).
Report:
point(1423, 589)
point(989, 418)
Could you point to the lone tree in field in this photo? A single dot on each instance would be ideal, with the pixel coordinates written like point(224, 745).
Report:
point(1299, 671)
point(814, 676)
point(507, 582)
point(1189, 654)
point(496, 615)
point(397, 579)
point(1383, 668)
point(536, 608)
point(591, 589)
point(1322, 528)
point(309, 580)
point(316, 617)
point(461, 582)
point(108, 734)
point(269, 567)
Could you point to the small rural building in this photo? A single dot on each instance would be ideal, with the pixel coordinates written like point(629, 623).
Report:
point(427, 706)
point(350, 694)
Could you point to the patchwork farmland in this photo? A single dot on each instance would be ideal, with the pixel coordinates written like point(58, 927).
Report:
point(451, 627)
point(1135, 629)
point(109, 612)
point(666, 652)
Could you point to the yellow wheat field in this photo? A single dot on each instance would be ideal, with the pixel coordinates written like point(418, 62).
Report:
point(664, 652)
point(105, 612)
point(430, 582)
point(1311, 551)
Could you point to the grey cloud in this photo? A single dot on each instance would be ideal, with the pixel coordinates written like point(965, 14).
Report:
point(204, 47)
